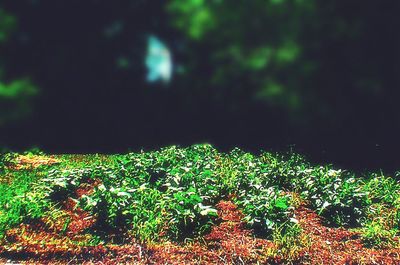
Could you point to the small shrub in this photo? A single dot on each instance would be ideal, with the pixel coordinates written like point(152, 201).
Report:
point(290, 242)
point(376, 234)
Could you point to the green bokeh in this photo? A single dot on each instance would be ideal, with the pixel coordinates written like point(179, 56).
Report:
point(7, 24)
point(257, 42)
point(16, 95)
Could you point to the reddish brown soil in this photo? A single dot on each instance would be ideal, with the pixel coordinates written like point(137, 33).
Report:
point(27, 162)
point(338, 245)
point(47, 239)
point(229, 242)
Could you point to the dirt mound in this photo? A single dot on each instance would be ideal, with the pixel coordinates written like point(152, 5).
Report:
point(33, 161)
point(338, 245)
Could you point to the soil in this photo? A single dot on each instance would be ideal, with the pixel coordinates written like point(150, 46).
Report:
point(28, 162)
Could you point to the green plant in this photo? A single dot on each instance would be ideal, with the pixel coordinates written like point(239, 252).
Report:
point(376, 234)
point(380, 188)
point(290, 241)
point(265, 208)
point(21, 201)
point(189, 217)
point(35, 151)
point(7, 160)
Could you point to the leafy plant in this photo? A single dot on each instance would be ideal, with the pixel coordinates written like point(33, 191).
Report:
point(265, 208)
point(20, 201)
point(376, 234)
point(290, 241)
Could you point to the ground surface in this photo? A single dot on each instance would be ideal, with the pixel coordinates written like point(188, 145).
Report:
point(229, 242)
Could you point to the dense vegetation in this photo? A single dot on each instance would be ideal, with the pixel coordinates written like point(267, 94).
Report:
point(172, 193)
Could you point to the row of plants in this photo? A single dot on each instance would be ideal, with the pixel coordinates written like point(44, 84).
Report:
point(171, 193)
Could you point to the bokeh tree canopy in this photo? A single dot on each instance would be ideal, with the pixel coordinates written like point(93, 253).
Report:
point(311, 59)
point(323, 75)
point(15, 95)
point(250, 47)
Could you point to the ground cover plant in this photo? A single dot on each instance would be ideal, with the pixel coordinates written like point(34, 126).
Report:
point(194, 205)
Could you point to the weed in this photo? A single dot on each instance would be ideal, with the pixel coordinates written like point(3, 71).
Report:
point(290, 242)
point(376, 234)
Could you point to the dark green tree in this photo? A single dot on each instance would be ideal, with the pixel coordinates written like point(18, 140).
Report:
point(253, 49)
point(15, 95)
point(315, 61)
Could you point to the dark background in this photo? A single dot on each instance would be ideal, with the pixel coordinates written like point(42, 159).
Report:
point(319, 77)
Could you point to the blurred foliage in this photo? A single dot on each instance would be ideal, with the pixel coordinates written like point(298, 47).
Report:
point(302, 57)
point(15, 99)
point(7, 24)
point(16, 95)
point(258, 42)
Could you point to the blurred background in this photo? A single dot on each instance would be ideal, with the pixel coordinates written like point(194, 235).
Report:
point(319, 77)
